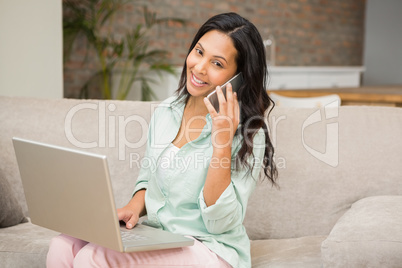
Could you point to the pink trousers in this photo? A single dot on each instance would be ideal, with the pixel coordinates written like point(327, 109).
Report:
point(66, 251)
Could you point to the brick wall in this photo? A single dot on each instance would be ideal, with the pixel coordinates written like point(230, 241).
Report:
point(306, 32)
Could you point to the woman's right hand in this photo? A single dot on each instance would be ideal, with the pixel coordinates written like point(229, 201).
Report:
point(128, 215)
point(135, 209)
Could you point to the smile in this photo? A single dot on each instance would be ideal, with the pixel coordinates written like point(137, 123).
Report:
point(197, 82)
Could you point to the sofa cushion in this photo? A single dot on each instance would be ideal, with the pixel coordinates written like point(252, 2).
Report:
point(292, 252)
point(313, 195)
point(24, 245)
point(369, 234)
point(10, 210)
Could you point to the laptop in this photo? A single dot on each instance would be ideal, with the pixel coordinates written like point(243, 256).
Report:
point(70, 191)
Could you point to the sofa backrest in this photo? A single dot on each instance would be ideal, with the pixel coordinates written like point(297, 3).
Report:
point(327, 159)
point(116, 129)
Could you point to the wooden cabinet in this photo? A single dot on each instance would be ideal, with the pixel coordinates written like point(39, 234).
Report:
point(368, 95)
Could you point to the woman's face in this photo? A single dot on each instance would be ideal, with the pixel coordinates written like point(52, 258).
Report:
point(211, 63)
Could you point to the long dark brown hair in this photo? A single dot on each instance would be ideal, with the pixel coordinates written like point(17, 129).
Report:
point(252, 95)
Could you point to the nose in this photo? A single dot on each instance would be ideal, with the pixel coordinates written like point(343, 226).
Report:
point(201, 66)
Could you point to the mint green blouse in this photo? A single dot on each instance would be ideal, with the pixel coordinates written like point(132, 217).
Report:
point(180, 207)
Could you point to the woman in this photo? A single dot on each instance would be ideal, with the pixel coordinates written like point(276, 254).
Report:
point(207, 163)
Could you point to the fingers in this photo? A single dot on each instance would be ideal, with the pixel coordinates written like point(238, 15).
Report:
point(210, 107)
point(121, 214)
point(226, 105)
point(236, 108)
point(229, 96)
point(225, 123)
point(132, 222)
point(128, 216)
point(222, 101)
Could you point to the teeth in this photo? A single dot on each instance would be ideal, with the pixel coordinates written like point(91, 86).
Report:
point(198, 81)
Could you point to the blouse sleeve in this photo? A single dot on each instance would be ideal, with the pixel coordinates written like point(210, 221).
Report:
point(229, 210)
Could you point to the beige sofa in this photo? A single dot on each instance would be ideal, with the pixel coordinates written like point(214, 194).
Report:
point(340, 174)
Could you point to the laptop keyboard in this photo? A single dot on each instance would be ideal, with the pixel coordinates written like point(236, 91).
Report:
point(129, 236)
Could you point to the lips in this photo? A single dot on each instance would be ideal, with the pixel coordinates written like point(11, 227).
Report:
point(197, 82)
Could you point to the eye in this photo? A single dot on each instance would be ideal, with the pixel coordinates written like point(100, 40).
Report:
point(217, 63)
point(198, 51)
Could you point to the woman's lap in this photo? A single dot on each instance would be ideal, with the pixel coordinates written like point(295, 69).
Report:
point(67, 250)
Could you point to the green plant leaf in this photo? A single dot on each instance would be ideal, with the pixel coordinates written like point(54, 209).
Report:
point(131, 57)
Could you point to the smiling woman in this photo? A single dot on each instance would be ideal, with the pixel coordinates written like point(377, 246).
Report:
point(207, 199)
point(252, 95)
point(211, 63)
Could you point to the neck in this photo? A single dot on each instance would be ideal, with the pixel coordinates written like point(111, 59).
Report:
point(196, 106)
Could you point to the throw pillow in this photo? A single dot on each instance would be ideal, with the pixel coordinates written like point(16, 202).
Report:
point(10, 210)
point(369, 234)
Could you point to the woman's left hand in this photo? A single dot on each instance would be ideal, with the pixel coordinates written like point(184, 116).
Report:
point(224, 123)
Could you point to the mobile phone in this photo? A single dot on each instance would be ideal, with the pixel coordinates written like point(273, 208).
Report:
point(236, 81)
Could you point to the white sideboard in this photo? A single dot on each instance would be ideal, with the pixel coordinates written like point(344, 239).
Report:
point(280, 77)
point(303, 77)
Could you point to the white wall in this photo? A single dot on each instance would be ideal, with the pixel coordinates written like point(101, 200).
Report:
point(383, 43)
point(31, 57)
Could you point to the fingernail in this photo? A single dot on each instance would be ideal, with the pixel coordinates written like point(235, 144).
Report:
point(129, 225)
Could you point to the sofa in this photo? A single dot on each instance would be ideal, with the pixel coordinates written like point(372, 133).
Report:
point(339, 197)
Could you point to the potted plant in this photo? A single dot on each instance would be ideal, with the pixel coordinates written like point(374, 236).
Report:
point(130, 56)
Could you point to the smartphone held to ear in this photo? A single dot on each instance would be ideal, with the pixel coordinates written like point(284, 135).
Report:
point(236, 81)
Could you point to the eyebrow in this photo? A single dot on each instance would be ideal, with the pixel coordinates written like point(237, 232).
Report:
point(216, 56)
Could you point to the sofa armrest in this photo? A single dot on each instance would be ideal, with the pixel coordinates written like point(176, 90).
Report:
point(367, 235)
